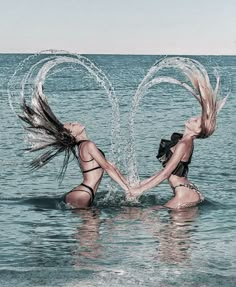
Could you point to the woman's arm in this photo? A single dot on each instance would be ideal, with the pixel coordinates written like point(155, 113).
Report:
point(148, 179)
point(112, 172)
point(165, 173)
point(120, 174)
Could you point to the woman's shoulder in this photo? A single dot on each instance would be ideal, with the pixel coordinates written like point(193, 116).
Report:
point(86, 144)
point(185, 143)
point(90, 145)
point(92, 148)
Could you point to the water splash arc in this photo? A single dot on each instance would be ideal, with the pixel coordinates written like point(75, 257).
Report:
point(31, 73)
point(185, 67)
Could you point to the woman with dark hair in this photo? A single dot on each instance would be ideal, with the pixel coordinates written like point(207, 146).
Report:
point(46, 132)
point(175, 154)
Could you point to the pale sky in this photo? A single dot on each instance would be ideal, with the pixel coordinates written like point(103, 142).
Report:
point(119, 26)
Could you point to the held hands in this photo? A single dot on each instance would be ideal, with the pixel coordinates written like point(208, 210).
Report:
point(134, 191)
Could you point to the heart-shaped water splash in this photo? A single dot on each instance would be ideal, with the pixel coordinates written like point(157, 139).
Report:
point(44, 64)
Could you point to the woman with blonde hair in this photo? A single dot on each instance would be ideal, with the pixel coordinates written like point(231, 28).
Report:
point(175, 154)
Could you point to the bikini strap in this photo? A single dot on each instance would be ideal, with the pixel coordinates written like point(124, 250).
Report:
point(90, 188)
point(191, 186)
point(88, 170)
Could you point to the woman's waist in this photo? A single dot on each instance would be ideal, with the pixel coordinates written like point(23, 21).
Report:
point(181, 185)
point(92, 171)
point(176, 180)
point(88, 183)
point(94, 183)
point(93, 176)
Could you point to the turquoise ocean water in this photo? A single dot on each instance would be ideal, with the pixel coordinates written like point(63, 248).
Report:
point(117, 243)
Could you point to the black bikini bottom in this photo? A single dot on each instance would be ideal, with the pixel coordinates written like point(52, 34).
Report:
point(91, 193)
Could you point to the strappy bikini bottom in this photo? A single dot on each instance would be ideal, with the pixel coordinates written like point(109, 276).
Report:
point(190, 186)
point(90, 192)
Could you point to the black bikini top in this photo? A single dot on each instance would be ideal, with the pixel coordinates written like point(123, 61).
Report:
point(165, 153)
point(84, 171)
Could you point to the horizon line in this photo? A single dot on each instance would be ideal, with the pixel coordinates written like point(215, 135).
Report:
point(119, 54)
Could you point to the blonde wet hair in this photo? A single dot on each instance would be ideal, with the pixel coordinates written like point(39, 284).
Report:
point(204, 93)
point(200, 88)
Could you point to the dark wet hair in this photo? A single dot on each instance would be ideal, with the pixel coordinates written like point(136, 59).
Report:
point(46, 132)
